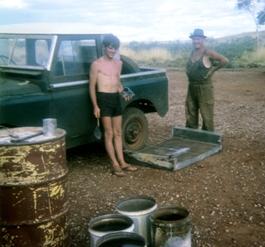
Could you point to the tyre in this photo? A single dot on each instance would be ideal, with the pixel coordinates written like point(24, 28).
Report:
point(134, 129)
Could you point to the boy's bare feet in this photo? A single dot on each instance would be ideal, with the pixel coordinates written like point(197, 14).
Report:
point(129, 168)
point(118, 172)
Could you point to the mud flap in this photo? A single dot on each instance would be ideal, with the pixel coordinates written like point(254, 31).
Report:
point(185, 147)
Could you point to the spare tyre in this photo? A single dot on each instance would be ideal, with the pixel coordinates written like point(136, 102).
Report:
point(128, 65)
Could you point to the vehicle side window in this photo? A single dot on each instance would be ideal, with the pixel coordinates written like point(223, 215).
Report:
point(74, 57)
point(42, 52)
point(24, 51)
point(18, 52)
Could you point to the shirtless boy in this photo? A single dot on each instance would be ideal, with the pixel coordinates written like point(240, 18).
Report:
point(105, 88)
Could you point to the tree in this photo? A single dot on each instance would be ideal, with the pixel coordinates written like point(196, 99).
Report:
point(256, 8)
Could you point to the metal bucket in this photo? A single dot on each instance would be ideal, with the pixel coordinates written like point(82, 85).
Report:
point(109, 223)
point(139, 210)
point(171, 227)
point(33, 189)
point(121, 239)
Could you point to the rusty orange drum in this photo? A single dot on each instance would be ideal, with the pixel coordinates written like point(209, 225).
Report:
point(33, 188)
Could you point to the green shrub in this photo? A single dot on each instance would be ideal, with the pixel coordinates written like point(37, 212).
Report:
point(239, 50)
point(252, 59)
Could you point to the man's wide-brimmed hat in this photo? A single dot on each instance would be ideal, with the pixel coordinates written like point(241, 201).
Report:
point(197, 33)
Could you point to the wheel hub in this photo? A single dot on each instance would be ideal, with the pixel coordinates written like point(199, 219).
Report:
point(132, 132)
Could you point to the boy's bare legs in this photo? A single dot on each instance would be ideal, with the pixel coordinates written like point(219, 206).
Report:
point(113, 144)
point(108, 136)
point(117, 132)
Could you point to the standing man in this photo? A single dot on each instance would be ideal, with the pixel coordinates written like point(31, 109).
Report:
point(105, 88)
point(199, 69)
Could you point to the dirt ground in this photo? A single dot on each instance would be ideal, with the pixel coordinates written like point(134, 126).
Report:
point(224, 193)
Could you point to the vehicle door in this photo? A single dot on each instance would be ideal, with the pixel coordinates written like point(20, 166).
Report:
point(69, 84)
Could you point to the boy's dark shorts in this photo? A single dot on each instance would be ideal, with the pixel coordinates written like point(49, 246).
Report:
point(109, 104)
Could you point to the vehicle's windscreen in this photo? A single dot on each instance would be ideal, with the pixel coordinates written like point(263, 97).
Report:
point(24, 51)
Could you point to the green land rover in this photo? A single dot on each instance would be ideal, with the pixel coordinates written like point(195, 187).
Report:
point(46, 76)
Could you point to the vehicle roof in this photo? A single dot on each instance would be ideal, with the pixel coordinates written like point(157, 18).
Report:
point(51, 34)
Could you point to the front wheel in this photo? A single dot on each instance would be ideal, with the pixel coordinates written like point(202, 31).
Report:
point(134, 129)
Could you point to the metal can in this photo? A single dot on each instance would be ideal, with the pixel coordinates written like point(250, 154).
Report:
point(171, 227)
point(139, 210)
point(109, 223)
point(121, 239)
point(49, 126)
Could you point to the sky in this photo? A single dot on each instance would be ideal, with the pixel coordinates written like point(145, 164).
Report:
point(130, 20)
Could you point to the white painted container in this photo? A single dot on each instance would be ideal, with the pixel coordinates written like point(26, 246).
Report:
point(139, 210)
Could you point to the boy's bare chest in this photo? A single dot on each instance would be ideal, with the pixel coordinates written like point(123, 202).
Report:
point(109, 69)
point(108, 72)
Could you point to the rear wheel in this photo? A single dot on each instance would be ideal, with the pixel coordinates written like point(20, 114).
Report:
point(134, 129)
